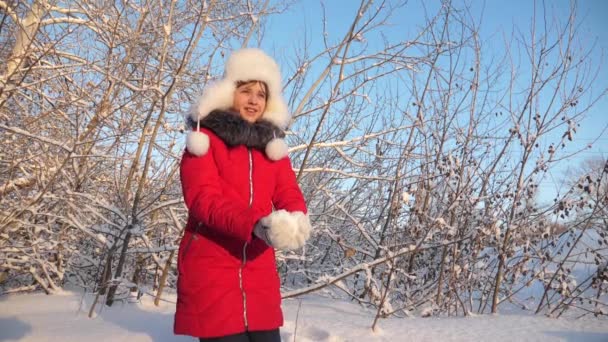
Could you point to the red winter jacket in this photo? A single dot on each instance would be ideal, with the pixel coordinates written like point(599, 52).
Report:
point(228, 281)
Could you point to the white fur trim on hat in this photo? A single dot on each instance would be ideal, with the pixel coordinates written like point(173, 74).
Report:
point(217, 95)
point(276, 149)
point(197, 143)
point(245, 65)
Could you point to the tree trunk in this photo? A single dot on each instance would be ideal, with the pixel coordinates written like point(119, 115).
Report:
point(163, 278)
point(121, 263)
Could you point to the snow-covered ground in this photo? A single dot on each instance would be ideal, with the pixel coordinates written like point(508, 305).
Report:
point(38, 317)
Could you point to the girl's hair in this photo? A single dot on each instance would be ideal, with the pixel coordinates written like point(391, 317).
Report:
point(262, 83)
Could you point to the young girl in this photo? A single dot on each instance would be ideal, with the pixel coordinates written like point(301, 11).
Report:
point(243, 200)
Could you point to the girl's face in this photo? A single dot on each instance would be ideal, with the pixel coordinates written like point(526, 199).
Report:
point(250, 100)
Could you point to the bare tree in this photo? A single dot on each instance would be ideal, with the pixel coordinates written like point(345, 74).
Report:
point(420, 156)
point(91, 103)
point(467, 232)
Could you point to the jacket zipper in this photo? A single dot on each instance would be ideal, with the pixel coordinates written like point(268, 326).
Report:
point(245, 245)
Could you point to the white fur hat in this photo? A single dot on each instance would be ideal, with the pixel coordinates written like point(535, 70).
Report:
point(248, 64)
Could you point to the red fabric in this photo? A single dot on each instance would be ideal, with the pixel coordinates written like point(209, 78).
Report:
point(216, 186)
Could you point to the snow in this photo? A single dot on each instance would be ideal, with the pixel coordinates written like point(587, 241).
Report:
point(405, 197)
point(63, 317)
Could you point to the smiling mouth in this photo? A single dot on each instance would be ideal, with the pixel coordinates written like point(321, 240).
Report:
point(251, 111)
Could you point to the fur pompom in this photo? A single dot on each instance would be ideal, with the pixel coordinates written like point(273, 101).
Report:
point(197, 143)
point(282, 230)
point(276, 149)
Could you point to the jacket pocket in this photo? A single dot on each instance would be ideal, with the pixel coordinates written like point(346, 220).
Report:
point(188, 245)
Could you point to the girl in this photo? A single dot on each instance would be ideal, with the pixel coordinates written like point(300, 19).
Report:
point(243, 200)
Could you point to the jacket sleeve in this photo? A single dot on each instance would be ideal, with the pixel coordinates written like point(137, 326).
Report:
point(210, 201)
point(287, 194)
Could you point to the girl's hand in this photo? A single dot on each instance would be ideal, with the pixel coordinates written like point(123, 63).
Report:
point(284, 230)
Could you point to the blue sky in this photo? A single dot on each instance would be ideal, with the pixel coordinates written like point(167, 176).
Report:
point(591, 16)
point(498, 21)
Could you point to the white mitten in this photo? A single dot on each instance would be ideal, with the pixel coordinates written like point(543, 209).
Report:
point(281, 229)
point(304, 227)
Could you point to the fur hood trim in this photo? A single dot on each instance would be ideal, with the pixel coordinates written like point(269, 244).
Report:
point(233, 130)
point(245, 65)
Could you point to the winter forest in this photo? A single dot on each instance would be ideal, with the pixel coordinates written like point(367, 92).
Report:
point(421, 153)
